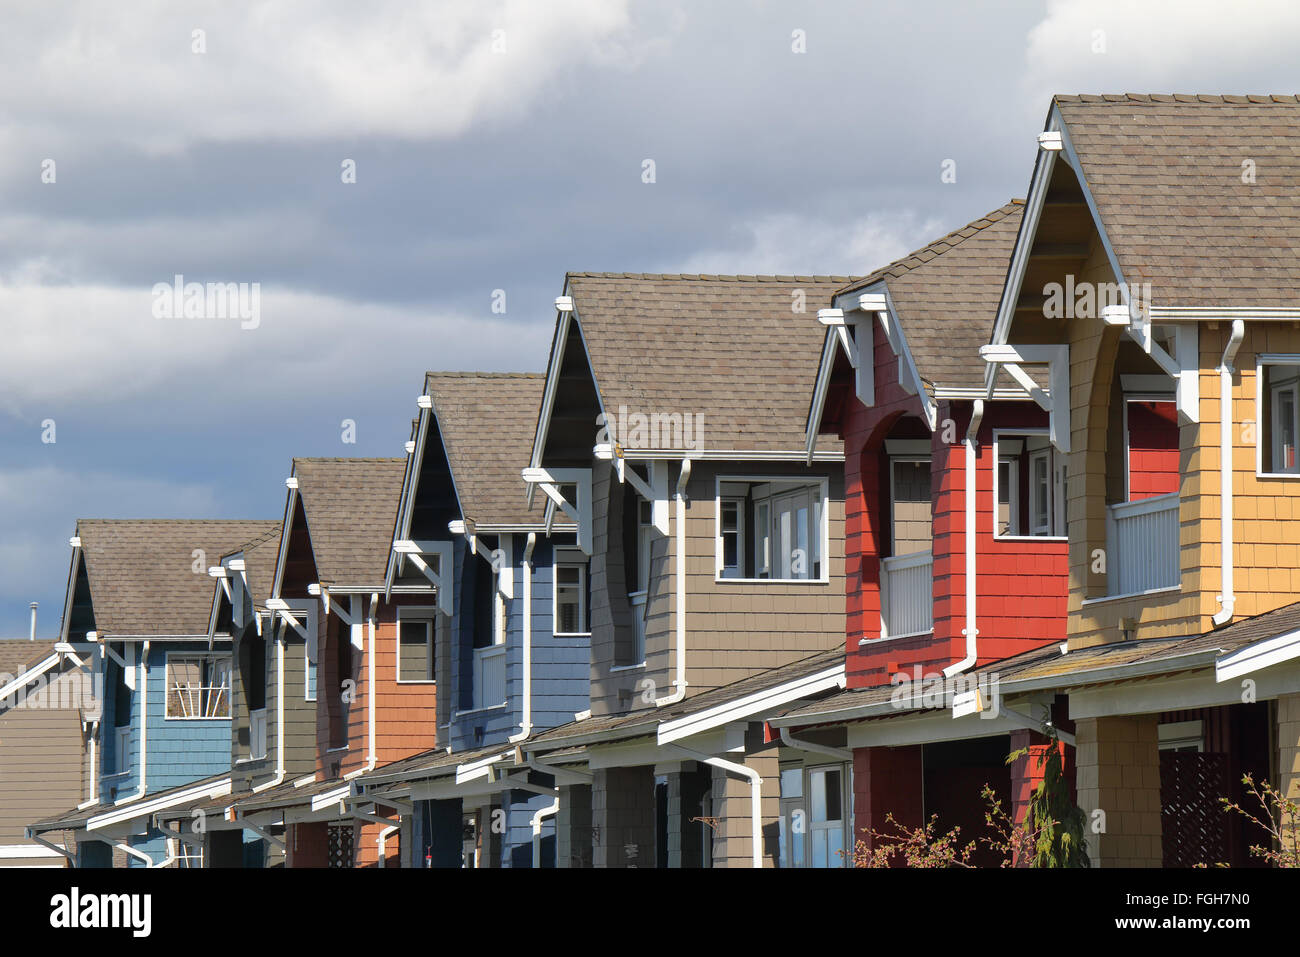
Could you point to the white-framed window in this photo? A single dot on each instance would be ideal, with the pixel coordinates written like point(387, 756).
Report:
point(771, 529)
point(1028, 485)
point(1181, 736)
point(1278, 405)
point(416, 645)
point(122, 749)
point(815, 815)
point(911, 517)
point(198, 686)
point(570, 598)
point(310, 670)
point(257, 734)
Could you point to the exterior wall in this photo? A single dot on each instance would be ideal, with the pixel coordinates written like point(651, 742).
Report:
point(733, 840)
point(885, 781)
point(623, 817)
point(573, 827)
point(42, 764)
point(1021, 583)
point(733, 628)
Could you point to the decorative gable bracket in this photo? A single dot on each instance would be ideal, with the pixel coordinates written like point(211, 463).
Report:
point(1183, 366)
point(653, 488)
point(501, 558)
point(1055, 401)
point(443, 579)
point(549, 481)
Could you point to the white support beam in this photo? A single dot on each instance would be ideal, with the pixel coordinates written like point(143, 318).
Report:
point(1056, 400)
point(550, 480)
point(444, 578)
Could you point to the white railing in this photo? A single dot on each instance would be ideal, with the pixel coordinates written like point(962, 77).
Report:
point(1142, 545)
point(257, 734)
point(907, 595)
point(489, 676)
point(637, 600)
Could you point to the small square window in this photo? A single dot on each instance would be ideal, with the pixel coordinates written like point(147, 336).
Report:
point(415, 648)
point(570, 599)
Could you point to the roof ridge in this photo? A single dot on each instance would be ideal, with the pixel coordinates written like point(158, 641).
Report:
point(178, 521)
point(485, 375)
point(709, 277)
point(371, 459)
point(1246, 99)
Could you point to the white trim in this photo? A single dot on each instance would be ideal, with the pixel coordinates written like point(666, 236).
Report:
point(1273, 359)
point(1257, 656)
point(17, 852)
point(752, 704)
point(1135, 594)
point(230, 695)
point(557, 563)
point(137, 809)
point(30, 675)
point(792, 483)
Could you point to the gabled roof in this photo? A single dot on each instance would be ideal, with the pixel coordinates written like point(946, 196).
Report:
point(350, 504)
point(19, 654)
point(142, 571)
point(1166, 175)
point(487, 421)
point(945, 296)
point(729, 348)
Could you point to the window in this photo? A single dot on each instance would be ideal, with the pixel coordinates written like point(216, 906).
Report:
point(1279, 407)
point(911, 522)
point(771, 530)
point(253, 670)
point(415, 645)
point(1181, 736)
point(122, 749)
point(198, 686)
point(310, 666)
point(1029, 486)
point(814, 825)
point(570, 599)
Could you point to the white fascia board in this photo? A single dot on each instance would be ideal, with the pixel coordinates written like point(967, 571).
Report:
point(145, 807)
point(727, 455)
point(1254, 657)
point(481, 768)
point(1178, 693)
point(286, 529)
point(929, 728)
point(410, 485)
point(30, 675)
point(328, 799)
point(820, 389)
point(751, 705)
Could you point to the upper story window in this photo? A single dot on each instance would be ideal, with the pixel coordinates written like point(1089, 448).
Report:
point(570, 598)
point(771, 529)
point(198, 686)
point(415, 645)
point(911, 521)
point(1279, 412)
point(1028, 486)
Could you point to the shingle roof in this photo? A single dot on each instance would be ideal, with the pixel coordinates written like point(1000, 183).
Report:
point(946, 295)
point(19, 654)
point(1166, 173)
point(487, 421)
point(141, 571)
point(260, 555)
point(729, 348)
point(351, 505)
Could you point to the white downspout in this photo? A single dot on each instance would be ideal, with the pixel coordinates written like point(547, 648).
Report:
point(92, 797)
point(526, 725)
point(280, 769)
point(679, 683)
point(137, 854)
point(373, 758)
point(970, 631)
point(1226, 598)
point(144, 731)
point(382, 841)
point(548, 811)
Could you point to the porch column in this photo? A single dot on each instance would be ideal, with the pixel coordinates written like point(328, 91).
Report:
point(886, 781)
point(687, 837)
point(623, 817)
point(1288, 747)
point(1119, 776)
point(573, 827)
point(733, 807)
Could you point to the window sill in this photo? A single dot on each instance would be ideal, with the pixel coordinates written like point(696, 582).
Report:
point(616, 669)
point(910, 634)
point(412, 681)
point(483, 710)
point(177, 718)
point(1031, 538)
point(771, 581)
point(1169, 589)
point(570, 634)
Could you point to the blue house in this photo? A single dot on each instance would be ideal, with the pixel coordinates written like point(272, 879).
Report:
point(512, 638)
point(140, 594)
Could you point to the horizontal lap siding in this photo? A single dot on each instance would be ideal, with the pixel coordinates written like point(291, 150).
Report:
point(41, 767)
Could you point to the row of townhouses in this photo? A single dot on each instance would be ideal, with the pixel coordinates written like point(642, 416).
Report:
point(758, 569)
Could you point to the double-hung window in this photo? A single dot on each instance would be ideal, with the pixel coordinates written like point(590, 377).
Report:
point(1279, 408)
point(415, 645)
point(198, 686)
point(771, 530)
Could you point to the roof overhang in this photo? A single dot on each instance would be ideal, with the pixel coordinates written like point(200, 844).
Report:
point(145, 807)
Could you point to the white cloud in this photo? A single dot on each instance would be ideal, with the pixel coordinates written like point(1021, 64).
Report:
point(785, 244)
point(1164, 46)
point(283, 70)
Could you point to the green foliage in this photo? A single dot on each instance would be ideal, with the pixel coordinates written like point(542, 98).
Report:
point(1056, 823)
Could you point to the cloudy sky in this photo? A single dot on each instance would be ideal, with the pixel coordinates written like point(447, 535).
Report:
point(496, 145)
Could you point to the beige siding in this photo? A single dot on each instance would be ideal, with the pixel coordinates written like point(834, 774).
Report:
point(42, 763)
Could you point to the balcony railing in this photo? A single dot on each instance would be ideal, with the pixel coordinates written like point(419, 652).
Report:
point(1142, 545)
point(257, 734)
point(489, 676)
point(906, 595)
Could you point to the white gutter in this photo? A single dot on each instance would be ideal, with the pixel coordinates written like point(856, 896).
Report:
point(755, 796)
point(526, 725)
point(970, 631)
point(549, 811)
point(1226, 598)
point(798, 743)
point(144, 728)
point(72, 858)
point(679, 683)
point(280, 770)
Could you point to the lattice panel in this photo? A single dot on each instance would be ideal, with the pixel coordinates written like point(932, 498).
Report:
point(340, 845)
point(1193, 822)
